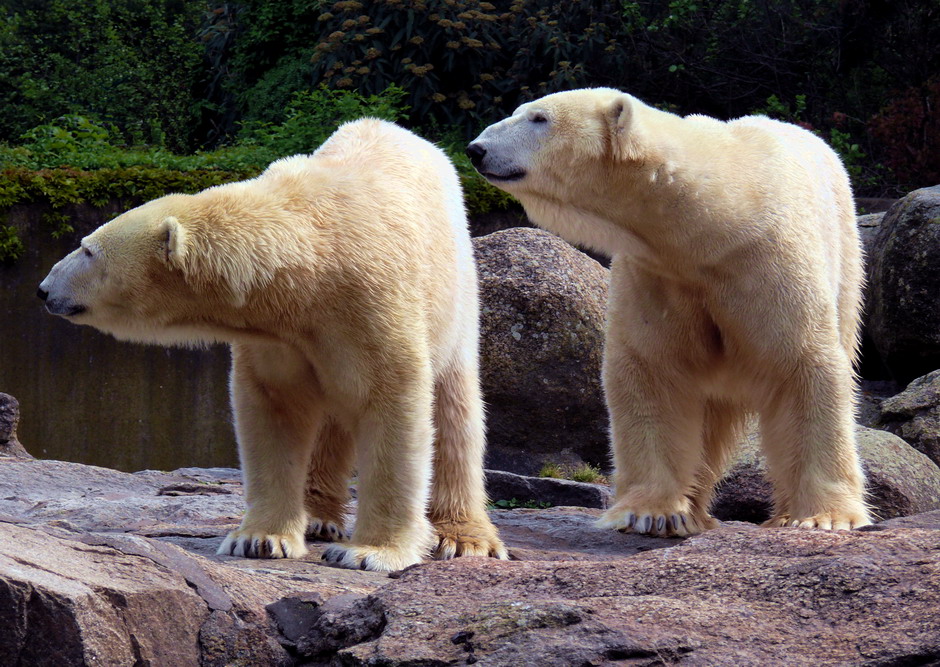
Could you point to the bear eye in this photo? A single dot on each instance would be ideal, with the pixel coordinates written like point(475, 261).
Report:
point(538, 117)
point(86, 251)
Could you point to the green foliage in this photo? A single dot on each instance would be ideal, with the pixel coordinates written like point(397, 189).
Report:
point(513, 504)
point(11, 247)
point(63, 186)
point(133, 63)
point(312, 116)
point(465, 62)
point(775, 108)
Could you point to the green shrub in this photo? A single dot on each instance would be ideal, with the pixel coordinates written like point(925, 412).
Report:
point(11, 247)
point(312, 116)
point(465, 62)
point(133, 63)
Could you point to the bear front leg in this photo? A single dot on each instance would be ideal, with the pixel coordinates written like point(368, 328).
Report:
point(656, 430)
point(277, 417)
point(327, 495)
point(394, 459)
point(808, 436)
point(458, 496)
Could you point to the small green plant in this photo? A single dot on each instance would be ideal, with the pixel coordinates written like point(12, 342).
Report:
point(774, 107)
point(552, 470)
point(11, 247)
point(853, 157)
point(514, 503)
point(583, 472)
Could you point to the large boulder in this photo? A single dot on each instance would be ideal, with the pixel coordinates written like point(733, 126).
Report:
point(543, 306)
point(904, 286)
point(900, 481)
point(914, 415)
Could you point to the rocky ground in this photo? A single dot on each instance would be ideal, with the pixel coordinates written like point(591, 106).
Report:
point(104, 567)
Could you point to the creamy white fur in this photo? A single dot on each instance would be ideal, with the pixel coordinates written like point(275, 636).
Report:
point(345, 283)
point(735, 288)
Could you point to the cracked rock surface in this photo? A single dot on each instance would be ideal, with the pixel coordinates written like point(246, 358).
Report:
point(104, 567)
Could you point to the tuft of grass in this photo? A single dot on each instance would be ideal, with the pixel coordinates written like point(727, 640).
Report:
point(583, 472)
point(587, 473)
point(553, 470)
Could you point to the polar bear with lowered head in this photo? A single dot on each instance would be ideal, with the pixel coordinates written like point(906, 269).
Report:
point(735, 288)
point(345, 283)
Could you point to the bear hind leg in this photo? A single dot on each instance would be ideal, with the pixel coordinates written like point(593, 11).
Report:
point(327, 498)
point(393, 448)
point(458, 497)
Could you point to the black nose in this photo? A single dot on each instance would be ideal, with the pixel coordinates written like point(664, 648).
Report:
point(476, 152)
point(42, 294)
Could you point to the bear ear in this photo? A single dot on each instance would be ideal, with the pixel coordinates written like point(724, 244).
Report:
point(620, 113)
point(173, 238)
point(623, 130)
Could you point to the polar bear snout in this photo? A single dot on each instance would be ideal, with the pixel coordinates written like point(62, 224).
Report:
point(491, 165)
point(56, 292)
point(476, 152)
point(60, 306)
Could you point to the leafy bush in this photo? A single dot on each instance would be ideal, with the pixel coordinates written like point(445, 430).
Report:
point(312, 116)
point(133, 63)
point(11, 247)
point(465, 62)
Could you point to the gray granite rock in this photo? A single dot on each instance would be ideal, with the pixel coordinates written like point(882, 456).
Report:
point(543, 307)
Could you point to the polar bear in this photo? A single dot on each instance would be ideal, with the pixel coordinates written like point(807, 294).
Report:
point(345, 283)
point(735, 288)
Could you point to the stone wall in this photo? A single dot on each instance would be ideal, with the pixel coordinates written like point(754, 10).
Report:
point(89, 398)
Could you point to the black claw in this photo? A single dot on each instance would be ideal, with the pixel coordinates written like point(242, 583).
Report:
point(284, 548)
point(363, 565)
point(660, 524)
point(323, 557)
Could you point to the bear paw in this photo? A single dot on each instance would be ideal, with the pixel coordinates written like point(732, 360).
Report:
point(327, 531)
point(823, 520)
point(476, 537)
point(375, 559)
point(247, 544)
point(662, 523)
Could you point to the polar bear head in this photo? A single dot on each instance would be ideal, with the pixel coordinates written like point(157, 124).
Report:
point(545, 142)
point(146, 276)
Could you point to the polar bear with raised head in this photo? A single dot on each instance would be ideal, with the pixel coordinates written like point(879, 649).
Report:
point(344, 281)
point(735, 288)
